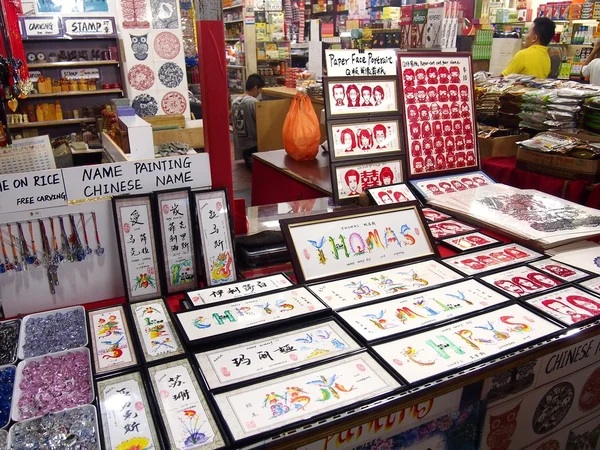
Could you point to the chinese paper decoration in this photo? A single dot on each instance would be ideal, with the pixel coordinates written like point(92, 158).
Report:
point(439, 116)
point(432, 187)
point(240, 289)
point(134, 13)
point(291, 399)
point(492, 259)
point(135, 233)
point(448, 228)
point(585, 433)
point(214, 226)
point(453, 346)
point(211, 322)
point(112, 346)
point(361, 96)
point(349, 140)
point(593, 285)
point(185, 412)
point(177, 242)
point(521, 281)
point(330, 245)
point(394, 193)
point(274, 354)
point(376, 286)
point(126, 414)
point(434, 216)
point(158, 339)
point(353, 178)
point(395, 317)
point(469, 242)
point(569, 306)
point(560, 270)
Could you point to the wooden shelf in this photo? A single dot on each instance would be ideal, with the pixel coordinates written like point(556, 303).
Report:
point(72, 64)
point(233, 21)
point(50, 123)
point(234, 66)
point(76, 93)
point(232, 7)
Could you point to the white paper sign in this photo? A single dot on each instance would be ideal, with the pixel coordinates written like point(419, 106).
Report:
point(274, 354)
point(358, 63)
point(137, 177)
point(89, 27)
point(452, 346)
point(269, 405)
point(78, 74)
point(38, 26)
point(408, 313)
point(32, 190)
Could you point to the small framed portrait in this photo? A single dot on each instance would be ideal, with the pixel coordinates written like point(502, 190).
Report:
point(431, 215)
point(521, 281)
point(395, 193)
point(468, 242)
point(450, 184)
point(569, 305)
point(350, 179)
point(362, 96)
point(364, 138)
point(561, 270)
point(492, 259)
point(448, 228)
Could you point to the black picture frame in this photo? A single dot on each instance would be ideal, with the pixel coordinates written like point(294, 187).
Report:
point(471, 228)
point(151, 277)
point(563, 302)
point(487, 280)
point(374, 193)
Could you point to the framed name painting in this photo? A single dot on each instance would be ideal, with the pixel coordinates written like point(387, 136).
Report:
point(177, 240)
point(364, 138)
point(351, 178)
point(360, 96)
point(438, 113)
point(395, 193)
point(213, 225)
point(327, 246)
point(140, 265)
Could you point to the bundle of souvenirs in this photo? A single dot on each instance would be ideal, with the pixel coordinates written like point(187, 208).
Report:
point(576, 145)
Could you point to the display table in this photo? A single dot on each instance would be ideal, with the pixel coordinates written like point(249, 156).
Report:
point(277, 178)
point(504, 170)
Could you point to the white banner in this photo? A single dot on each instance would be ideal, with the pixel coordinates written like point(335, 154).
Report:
point(359, 63)
point(32, 190)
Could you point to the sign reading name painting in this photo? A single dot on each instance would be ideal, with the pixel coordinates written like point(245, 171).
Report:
point(347, 63)
point(32, 190)
point(136, 177)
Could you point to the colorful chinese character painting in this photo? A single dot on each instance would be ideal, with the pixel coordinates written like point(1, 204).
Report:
point(111, 340)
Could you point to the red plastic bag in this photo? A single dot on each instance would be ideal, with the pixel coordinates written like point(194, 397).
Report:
point(301, 131)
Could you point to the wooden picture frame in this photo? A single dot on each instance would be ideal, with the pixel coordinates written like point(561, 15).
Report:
point(140, 265)
point(350, 178)
point(394, 193)
point(213, 224)
point(176, 237)
point(438, 113)
point(365, 138)
point(338, 96)
point(314, 242)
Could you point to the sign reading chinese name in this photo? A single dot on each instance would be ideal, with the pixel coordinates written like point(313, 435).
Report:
point(359, 63)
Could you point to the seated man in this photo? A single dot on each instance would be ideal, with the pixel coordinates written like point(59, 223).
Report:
point(243, 118)
point(534, 59)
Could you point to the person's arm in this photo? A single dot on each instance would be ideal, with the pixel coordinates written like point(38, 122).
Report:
point(517, 65)
point(593, 54)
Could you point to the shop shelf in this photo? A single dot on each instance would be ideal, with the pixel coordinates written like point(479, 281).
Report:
point(50, 123)
point(76, 93)
point(233, 66)
point(232, 7)
point(232, 39)
point(71, 64)
point(233, 21)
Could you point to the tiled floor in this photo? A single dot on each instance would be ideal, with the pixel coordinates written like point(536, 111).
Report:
point(242, 181)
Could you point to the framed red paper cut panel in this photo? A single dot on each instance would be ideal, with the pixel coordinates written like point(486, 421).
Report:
point(449, 228)
point(439, 113)
point(349, 180)
point(468, 242)
point(521, 281)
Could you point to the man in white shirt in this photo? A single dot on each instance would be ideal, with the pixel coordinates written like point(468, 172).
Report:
point(591, 66)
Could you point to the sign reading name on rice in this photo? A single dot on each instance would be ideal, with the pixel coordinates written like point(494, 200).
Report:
point(359, 63)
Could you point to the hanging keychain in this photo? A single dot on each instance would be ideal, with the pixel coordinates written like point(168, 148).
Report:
point(18, 265)
point(66, 248)
point(78, 250)
point(88, 250)
point(36, 261)
point(6, 265)
point(100, 249)
point(26, 256)
point(48, 255)
point(57, 256)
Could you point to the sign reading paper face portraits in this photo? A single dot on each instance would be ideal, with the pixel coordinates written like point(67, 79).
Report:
point(359, 63)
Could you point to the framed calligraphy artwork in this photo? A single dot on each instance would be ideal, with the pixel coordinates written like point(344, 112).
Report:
point(448, 228)
point(326, 246)
point(395, 193)
point(569, 305)
point(186, 414)
point(469, 242)
point(135, 235)
point(158, 338)
point(401, 315)
point(212, 322)
point(112, 346)
point(287, 402)
point(360, 96)
point(521, 281)
point(560, 270)
point(352, 178)
point(451, 347)
point(364, 138)
point(434, 216)
point(126, 414)
point(439, 113)
point(274, 354)
point(592, 285)
point(495, 258)
point(177, 241)
point(215, 230)
point(239, 289)
point(449, 184)
point(376, 286)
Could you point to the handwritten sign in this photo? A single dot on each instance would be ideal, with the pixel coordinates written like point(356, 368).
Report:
point(41, 27)
point(358, 63)
point(32, 190)
point(97, 26)
point(34, 75)
point(136, 177)
point(78, 74)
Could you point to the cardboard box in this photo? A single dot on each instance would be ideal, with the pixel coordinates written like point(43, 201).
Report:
point(505, 146)
point(559, 166)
